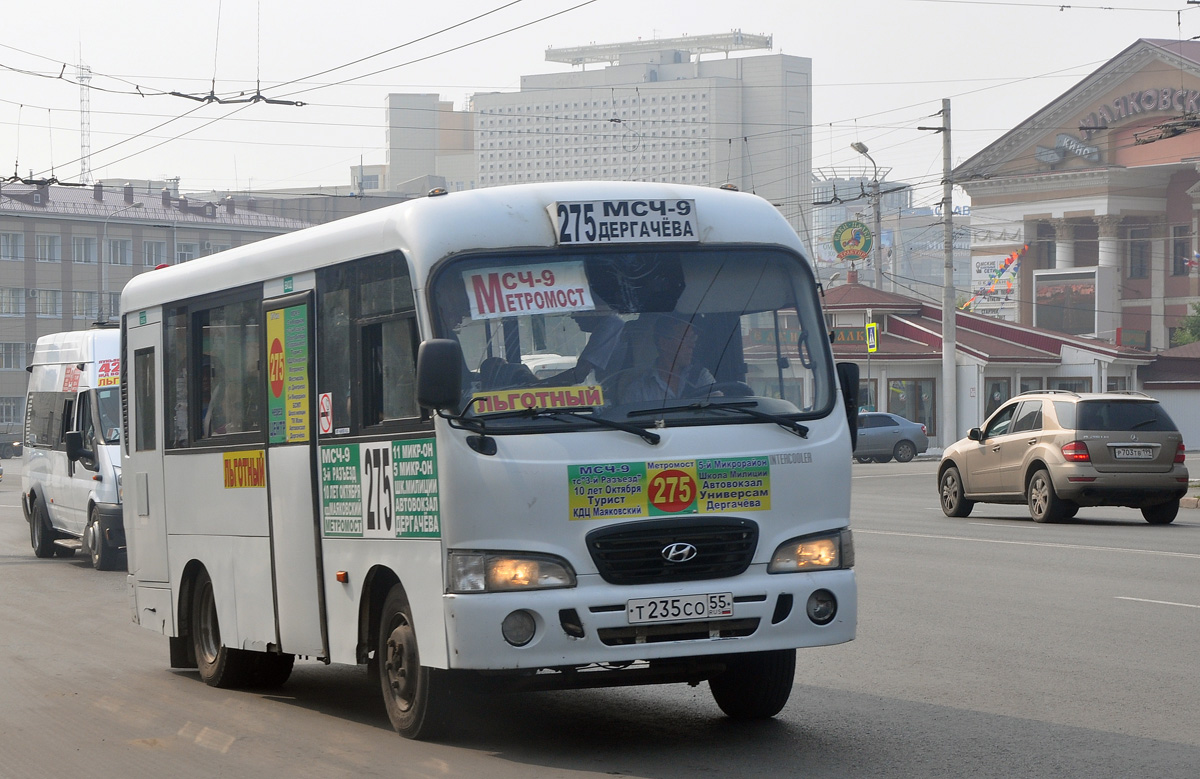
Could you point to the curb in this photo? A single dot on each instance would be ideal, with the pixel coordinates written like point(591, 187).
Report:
point(1189, 502)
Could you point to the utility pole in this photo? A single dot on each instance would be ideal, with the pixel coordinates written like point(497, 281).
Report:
point(861, 148)
point(949, 431)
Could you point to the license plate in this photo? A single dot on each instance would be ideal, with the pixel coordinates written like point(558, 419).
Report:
point(679, 609)
point(1133, 453)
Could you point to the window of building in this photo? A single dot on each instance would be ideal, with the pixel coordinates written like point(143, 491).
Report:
point(12, 300)
point(154, 253)
point(120, 251)
point(12, 246)
point(48, 302)
point(49, 248)
point(914, 400)
point(1139, 253)
point(186, 251)
point(1031, 383)
point(83, 305)
point(1181, 250)
point(1070, 383)
point(83, 249)
point(11, 410)
point(1116, 384)
point(12, 356)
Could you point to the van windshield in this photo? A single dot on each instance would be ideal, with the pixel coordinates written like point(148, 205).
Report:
point(108, 406)
point(628, 334)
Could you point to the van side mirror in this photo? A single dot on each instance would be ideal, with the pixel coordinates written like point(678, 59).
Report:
point(74, 445)
point(975, 434)
point(847, 373)
point(439, 373)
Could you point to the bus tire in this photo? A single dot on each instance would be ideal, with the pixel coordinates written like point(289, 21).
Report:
point(41, 536)
point(7, 451)
point(104, 557)
point(415, 695)
point(755, 685)
point(219, 665)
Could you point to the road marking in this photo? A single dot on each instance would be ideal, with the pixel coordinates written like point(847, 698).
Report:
point(1010, 527)
point(1161, 602)
point(1123, 550)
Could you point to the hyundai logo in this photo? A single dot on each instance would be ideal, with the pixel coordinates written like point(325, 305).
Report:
point(678, 552)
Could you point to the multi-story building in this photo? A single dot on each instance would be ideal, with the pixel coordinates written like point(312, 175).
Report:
point(1099, 194)
point(655, 111)
point(66, 253)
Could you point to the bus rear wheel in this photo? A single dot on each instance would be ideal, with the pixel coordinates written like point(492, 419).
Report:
point(219, 665)
point(415, 696)
point(755, 685)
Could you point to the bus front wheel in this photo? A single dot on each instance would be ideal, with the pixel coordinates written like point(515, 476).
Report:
point(219, 665)
point(755, 685)
point(415, 696)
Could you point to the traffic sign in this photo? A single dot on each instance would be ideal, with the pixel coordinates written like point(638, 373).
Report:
point(872, 336)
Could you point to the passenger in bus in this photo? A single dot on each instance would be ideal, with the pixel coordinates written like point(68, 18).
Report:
point(673, 374)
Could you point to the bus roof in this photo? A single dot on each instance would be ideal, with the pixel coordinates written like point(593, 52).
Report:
point(431, 228)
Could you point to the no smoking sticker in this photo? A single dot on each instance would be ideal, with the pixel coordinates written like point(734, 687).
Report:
point(325, 413)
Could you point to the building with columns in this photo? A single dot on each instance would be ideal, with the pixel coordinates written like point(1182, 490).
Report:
point(1098, 195)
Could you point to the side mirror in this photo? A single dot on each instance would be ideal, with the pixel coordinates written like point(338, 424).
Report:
point(439, 373)
point(975, 434)
point(847, 373)
point(74, 444)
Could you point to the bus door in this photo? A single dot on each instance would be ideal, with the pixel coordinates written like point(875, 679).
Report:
point(291, 468)
point(145, 505)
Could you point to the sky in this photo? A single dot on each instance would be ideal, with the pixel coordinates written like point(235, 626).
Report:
point(880, 69)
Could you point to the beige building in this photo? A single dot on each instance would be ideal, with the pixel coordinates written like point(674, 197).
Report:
point(1100, 194)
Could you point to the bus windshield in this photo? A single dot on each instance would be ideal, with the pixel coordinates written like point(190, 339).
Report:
point(639, 335)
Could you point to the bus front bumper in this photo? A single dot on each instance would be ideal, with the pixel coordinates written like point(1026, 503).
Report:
point(590, 623)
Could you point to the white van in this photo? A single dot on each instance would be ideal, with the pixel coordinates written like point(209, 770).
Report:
point(70, 488)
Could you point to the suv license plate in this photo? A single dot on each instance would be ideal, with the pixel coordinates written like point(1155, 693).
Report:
point(1133, 453)
point(679, 609)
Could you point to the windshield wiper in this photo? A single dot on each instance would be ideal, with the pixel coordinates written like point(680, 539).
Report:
point(560, 413)
point(746, 407)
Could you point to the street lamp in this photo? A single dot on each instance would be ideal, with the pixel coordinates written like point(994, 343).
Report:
point(104, 249)
point(861, 148)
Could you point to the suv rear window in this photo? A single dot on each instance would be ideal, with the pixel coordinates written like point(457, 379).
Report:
point(1121, 416)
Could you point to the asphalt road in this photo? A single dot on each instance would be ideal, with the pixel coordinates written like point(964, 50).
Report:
point(987, 647)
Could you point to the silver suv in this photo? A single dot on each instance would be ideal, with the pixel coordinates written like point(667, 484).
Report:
point(1057, 451)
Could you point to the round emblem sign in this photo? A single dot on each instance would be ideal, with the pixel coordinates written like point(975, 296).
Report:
point(275, 366)
point(852, 241)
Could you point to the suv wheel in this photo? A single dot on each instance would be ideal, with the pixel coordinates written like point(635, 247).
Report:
point(1044, 503)
point(950, 487)
point(1161, 513)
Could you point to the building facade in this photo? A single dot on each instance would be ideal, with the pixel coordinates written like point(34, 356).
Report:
point(67, 252)
point(1098, 194)
point(655, 111)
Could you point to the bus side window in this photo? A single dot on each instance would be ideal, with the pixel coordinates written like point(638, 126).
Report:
point(389, 371)
point(229, 370)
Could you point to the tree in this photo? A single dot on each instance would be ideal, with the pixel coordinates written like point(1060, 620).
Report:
point(1189, 329)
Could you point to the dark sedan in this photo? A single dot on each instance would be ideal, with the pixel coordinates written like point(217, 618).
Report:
point(882, 436)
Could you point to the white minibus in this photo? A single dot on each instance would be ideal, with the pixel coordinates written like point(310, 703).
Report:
point(70, 490)
point(336, 448)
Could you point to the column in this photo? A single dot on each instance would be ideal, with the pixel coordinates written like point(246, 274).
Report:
point(1159, 258)
point(1064, 243)
point(1108, 278)
point(1110, 240)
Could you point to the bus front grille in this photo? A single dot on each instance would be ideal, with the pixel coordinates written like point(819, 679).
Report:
point(673, 550)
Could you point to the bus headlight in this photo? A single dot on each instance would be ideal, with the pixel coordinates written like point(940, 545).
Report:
point(506, 571)
point(814, 553)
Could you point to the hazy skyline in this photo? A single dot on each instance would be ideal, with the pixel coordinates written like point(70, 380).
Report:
point(880, 69)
